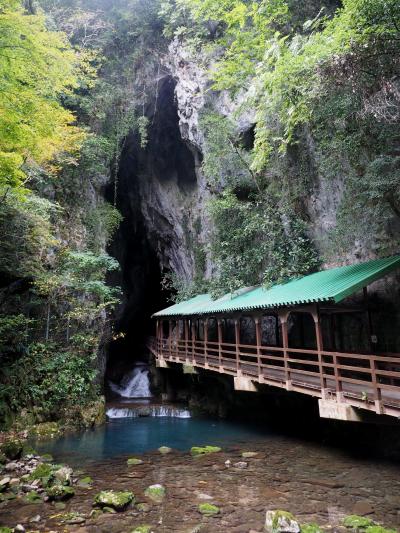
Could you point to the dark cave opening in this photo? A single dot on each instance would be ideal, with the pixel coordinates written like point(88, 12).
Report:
point(166, 157)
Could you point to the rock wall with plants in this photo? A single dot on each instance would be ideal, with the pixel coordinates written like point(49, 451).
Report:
point(239, 142)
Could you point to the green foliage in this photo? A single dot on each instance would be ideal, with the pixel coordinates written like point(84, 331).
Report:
point(257, 242)
point(332, 75)
point(37, 66)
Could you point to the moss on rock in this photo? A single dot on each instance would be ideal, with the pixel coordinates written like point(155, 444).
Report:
point(132, 461)
point(155, 492)
point(280, 521)
point(32, 497)
point(164, 450)
point(113, 499)
point(311, 528)
point(203, 450)
point(12, 449)
point(60, 492)
point(142, 529)
point(208, 509)
point(357, 522)
point(45, 430)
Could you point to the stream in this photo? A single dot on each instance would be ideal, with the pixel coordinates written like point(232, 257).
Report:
point(317, 483)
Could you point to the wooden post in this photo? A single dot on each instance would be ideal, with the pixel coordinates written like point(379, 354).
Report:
point(205, 335)
point(318, 336)
point(193, 340)
point(169, 337)
point(283, 317)
point(257, 321)
point(185, 324)
point(377, 390)
point(237, 342)
point(368, 320)
point(219, 326)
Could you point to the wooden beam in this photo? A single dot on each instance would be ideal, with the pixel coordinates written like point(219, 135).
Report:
point(283, 318)
point(237, 342)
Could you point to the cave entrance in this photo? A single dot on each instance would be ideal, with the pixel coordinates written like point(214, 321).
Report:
point(140, 245)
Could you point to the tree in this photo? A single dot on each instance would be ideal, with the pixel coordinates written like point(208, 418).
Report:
point(37, 67)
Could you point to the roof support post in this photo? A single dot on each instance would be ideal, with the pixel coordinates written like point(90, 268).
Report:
point(237, 342)
point(318, 336)
point(377, 389)
point(283, 317)
point(186, 330)
point(219, 326)
point(193, 341)
point(169, 337)
point(205, 335)
point(257, 322)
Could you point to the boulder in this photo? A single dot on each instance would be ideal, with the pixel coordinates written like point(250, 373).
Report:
point(133, 461)
point(204, 450)
point(208, 509)
point(164, 449)
point(281, 522)
point(60, 492)
point(63, 475)
point(155, 492)
point(113, 499)
point(12, 449)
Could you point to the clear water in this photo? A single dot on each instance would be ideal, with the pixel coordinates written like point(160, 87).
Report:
point(139, 435)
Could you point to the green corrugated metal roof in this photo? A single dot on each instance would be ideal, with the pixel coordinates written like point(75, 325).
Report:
point(331, 285)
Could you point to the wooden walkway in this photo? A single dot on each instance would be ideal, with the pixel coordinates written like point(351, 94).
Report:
point(361, 380)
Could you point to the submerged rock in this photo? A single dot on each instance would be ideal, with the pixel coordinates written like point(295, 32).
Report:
point(133, 461)
point(115, 500)
point(164, 449)
point(203, 450)
point(281, 522)
point(311, 528)
point(248, 455)
point(141, 529)
point(85, 482)
point(208, 509)
point(60, 492)
point(155, 492)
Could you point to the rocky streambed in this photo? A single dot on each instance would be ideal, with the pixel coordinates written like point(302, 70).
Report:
point(233, 489)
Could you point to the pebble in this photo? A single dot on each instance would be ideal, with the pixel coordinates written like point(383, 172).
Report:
point(240, 464)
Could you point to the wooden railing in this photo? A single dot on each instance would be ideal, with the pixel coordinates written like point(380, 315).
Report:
point(362, 380)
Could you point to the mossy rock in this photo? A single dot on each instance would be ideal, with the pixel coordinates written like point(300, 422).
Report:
point(281, 521)
point(311, 528)
point(6, 530)
point(141, 529)
point(357, 522)
point(249, 455)
point(85, 482)
point(60, 492)
point(3, 458)
point(32, 497)
point(12, 449)
point(47, 458)
point(143, 507)
point(155, 492)
point(203, 450)
point(379, 529)
point(164, 449)
point(42, 470)
point(113, 499)
point(132, 461)
point(208, 509)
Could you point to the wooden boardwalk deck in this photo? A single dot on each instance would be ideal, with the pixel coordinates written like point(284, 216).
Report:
point(361, 380)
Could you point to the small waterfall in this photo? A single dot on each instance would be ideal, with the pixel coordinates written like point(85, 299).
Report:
point(150, 410)
point(135, 384)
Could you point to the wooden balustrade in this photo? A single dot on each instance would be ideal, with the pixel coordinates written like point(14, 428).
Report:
point(362, 380)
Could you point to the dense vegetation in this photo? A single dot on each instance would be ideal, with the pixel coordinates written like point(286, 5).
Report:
point(61, 130)
point(323, 80)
